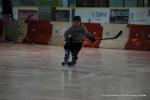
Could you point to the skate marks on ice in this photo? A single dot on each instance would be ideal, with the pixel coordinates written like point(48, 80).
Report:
point(35, 72)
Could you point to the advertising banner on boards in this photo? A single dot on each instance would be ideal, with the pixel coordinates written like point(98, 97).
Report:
point(93, 15)
point(119, 16)
point(100, 16)
point(139, 16)
point(62, 15)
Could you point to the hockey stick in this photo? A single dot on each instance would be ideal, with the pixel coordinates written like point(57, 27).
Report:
point(28, 18)
point(118, 35)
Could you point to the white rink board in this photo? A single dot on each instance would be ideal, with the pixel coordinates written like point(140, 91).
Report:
point(58, 32)
point(111, 30)
point(139, 16)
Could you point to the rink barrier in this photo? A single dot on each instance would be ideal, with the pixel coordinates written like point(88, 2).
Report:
point(97, 29)
point(59, 29)
point(139, 37)
point(38, 32)
point(111, 30)
point(135, 37)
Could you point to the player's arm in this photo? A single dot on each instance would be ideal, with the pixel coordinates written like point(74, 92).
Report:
point(88, 34)
point(67, 33)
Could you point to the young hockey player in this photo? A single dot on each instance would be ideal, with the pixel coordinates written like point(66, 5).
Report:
point(74, 38)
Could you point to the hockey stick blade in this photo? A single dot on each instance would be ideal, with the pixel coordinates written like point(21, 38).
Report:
point(118, 35)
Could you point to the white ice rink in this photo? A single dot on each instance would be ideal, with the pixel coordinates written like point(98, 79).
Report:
point(34, 72)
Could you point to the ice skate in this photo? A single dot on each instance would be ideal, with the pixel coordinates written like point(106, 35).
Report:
point(64, 63)
point(72, 63)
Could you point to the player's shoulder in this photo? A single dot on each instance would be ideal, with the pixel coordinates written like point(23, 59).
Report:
point(82, 25)
point(70, 28)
